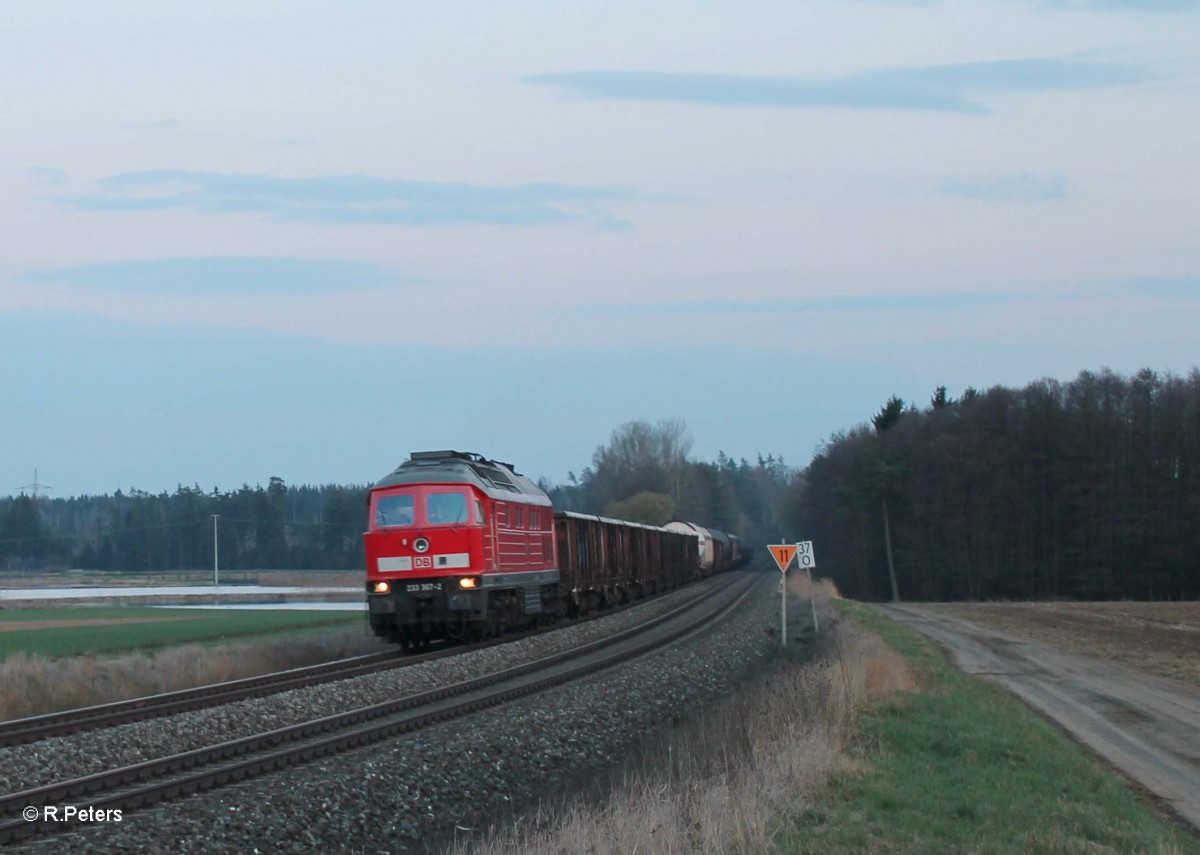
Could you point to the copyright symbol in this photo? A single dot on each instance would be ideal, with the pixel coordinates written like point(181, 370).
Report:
point(30, 813)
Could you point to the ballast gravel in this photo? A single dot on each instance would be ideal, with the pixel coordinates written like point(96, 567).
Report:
point(414, 793)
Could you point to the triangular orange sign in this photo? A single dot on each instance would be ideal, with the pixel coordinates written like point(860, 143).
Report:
point(783, 554)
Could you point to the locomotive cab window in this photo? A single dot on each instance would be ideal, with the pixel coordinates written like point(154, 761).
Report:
point(446, 508)
point(480, 517)
point(394, 511)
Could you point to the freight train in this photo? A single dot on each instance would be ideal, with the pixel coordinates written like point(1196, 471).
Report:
point(461, 547)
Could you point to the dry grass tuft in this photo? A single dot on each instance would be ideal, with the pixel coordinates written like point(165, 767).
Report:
point(805, 587)
point(1056, 842)
point(881, 669)
point(729, 779)
point(32, 685)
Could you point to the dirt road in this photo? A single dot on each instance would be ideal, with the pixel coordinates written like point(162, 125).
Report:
point(1146, 727)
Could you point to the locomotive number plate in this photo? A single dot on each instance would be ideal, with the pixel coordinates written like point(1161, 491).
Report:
point(423, 562)
point(421, 587)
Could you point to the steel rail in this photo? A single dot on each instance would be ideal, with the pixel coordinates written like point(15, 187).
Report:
point(354, 728)
point(35, 728)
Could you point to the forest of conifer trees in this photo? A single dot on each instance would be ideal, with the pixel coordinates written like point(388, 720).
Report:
point(1088, 489)
point(643, 474)
point(277, 527)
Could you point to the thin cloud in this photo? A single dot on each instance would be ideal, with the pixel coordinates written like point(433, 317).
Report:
point(1018, 187)
point(160, 125)
point(1152, 6)
point(863, 303)
point(356, 199)
point(220, 275)
point(914, 3)
point(1163, 287)
point(47, 177)
point(1125, 5)
point(944, 88)
point(1154, 287)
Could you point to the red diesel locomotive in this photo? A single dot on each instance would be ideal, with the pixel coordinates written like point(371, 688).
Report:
point(462, 547)
point(458, 546)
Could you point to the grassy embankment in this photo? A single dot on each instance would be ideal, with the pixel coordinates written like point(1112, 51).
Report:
point(961, 766)
point(875, 744)
point(64, 657)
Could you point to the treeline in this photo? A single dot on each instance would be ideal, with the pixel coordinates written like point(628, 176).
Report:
point(644, 474)
point(276, 527)
point(1088, 489)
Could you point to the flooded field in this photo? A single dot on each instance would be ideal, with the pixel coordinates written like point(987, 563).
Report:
point(83, 593)
point(360, 606)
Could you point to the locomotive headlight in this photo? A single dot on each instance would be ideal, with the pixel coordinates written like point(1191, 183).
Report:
point(381, 588)
point(468, 582)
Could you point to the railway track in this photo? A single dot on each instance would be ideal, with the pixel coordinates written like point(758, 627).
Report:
point(36, 728)
point(151, 782)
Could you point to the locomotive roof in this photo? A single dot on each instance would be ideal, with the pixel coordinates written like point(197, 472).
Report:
point(498, 480)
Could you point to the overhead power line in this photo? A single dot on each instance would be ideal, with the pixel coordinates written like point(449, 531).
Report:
point(36, 486)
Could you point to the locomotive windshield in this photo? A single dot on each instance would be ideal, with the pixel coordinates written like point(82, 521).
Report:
point(396, 510)
point(420, 506)
point(446, 508)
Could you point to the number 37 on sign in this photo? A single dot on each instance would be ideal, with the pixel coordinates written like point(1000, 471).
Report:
point(802, 552)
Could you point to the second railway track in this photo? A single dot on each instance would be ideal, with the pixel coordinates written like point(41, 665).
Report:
point(236, 760)
point(35, 728)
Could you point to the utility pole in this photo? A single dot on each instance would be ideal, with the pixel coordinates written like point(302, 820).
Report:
point(887, 477)
point(216, 554)
point(887, 542)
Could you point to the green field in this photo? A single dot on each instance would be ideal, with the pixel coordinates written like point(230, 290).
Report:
point(961, 766)
point(74, 630)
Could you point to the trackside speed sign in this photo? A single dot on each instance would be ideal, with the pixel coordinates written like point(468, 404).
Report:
point(782, 553)
point(805, 558)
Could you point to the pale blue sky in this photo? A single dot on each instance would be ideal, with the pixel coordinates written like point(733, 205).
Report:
point(307, 238)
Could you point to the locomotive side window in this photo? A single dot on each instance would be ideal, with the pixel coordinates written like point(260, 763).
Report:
point(446, 508)
point(480, 517)
point(394, 511)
